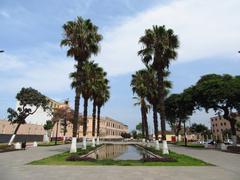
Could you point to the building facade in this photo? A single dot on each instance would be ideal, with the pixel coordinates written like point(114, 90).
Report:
point(40, 116)
point(221, 128)
point(109, 129)
point(27, 129)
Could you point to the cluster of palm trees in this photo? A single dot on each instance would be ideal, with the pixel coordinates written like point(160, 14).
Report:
point(88, 80)
point(158, 49)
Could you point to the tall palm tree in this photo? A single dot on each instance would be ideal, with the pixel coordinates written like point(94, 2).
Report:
point(82, 39)
point(140, 87)
point(101, 99)
point(159, 48)
point(152, 95)
point(144, 110)
point(99, 82)
point(86, 86)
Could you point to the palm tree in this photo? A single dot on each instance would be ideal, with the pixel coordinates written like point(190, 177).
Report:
point(99, 82)
point(101, 99)
point(82, 39)
point(140, 87)
point(159, 47)
point(89, 70)
point(144, 110)
point(152, 96)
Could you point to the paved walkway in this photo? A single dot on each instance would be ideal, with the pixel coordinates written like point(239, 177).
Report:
point(13, 166)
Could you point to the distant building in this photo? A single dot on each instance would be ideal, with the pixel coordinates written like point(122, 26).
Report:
point(219, 125)
point(33, 129)
point(40, 116)
point(109, 129)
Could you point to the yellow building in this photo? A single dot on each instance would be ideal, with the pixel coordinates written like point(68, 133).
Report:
point(109, 129)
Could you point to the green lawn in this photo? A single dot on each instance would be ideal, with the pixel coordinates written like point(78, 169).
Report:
point(52, 143)
point(60, 159)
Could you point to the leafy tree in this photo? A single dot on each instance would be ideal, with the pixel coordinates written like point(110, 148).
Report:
point(198, 128)
point(48, 126)
point(139, 127)
point(30, 100)
point(159, 48)
point(82, 39)
point(134, 134)
point(126, 135)
point(220, 93)
point(178, 108)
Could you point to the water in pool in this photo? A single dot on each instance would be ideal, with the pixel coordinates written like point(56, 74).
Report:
point(120, 152)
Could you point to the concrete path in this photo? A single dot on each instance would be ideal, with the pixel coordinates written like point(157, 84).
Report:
point(13, 166)
point(227, 161)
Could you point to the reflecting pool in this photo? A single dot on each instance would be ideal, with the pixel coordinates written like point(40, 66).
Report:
point(120, 152)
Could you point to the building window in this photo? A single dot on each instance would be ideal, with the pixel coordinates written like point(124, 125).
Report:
point(224, 124)
point(221, 124)
point(217, 130)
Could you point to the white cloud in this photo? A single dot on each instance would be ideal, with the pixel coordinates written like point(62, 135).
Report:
point(206, 29)
point(42, 70)
point(9, 62)
point(4, 14)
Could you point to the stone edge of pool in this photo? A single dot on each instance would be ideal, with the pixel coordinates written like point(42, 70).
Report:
point(137, 145)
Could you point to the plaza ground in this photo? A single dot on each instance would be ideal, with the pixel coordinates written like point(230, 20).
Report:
point(13, 165)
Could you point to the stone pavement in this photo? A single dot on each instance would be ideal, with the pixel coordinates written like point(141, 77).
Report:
point(13, 166)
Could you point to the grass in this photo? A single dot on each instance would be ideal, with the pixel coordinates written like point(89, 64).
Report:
point(60, 159)
point(191, 145)
point(51, 143)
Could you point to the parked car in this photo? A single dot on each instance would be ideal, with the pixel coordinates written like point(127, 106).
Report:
point(228, 141)
point(210, 141)
point(200, 142)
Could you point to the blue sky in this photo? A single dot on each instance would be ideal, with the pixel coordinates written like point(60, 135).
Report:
point(31, 32)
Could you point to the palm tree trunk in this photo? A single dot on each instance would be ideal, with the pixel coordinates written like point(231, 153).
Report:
point(155, 121)
point(93, 123)
point(98, 123)
point(146, 125)
point(162, 109)
point(178, 129)
point(65, 129)
point(73, 147)
point(85, 114)
point(94, 118)
point(185, 135)
point(98, 120)
point(143, 116)
point(14, 134)
point(56, 137)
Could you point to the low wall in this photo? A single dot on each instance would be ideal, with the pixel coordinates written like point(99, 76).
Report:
point(4, 138)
